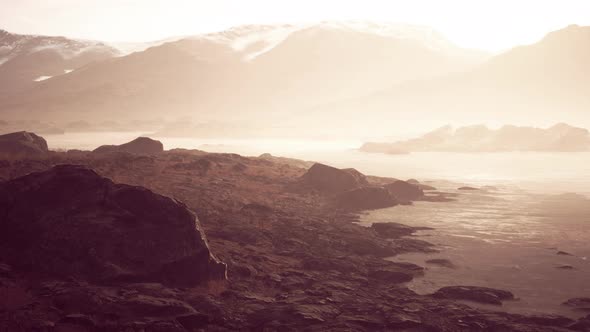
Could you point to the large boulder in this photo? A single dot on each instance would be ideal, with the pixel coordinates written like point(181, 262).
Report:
point(140, 145)
point(331, 180)
point(22, 144)
point(70, 222)
point(365, 198)
point(405, 191)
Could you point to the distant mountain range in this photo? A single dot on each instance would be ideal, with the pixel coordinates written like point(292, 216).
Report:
point(548, 81)
point(250, 72)
point(558, 138)
point(332, 78)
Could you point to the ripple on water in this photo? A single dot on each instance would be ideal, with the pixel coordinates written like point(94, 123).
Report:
point(506, 240)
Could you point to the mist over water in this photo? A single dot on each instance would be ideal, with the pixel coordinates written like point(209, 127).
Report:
point(543, 172)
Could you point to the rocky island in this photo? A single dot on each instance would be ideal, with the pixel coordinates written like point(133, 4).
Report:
point(479, 138)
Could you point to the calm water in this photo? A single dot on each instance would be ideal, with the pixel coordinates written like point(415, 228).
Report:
point(506, 238)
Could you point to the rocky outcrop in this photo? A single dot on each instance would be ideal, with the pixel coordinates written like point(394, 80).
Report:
point(467, 188)
point(392, 230)
point(140, 145)
point(579, 303)
point(70, 222)
point(22, 144)
point(476, 294)
point(366, 198)
point(331, 180)
point(396, 273)
point(404, 191)
point(420, 185)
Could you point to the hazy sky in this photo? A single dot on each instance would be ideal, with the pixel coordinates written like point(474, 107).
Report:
point(493, 25)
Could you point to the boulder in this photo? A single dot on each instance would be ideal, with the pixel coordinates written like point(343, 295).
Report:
point(392, 230)
point(473, 293)
point(442, 262)
point(330, 180)
point(404, 191)
point(366, 198)
point(70, 222)
point(579, 303)
point(140, 145)
point(22, 144)
point(467, 188)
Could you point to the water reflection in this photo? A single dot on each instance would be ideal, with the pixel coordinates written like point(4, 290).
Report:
point(505, 239)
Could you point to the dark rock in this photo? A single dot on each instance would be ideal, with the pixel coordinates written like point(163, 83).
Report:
point(467, 188)
point(193, 321)
point(70, 222)
point(78, 319)
point(404, 191)
point(330, 180)
point(583, 324)
point(564, 253)
point(390, 276)
point(473, 293)
point(396, 272)
point(441, 262)
point(565, 267)
point(579, 303)
point(366, 198)
point(392, 230)
point(22, 144)
point(140, 145)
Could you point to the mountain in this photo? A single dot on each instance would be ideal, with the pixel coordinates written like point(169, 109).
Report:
point(259, 75)
point(27, 59)
point(546, 82)
point(479, 138)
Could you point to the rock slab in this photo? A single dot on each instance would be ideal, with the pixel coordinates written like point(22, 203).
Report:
point(70, 222)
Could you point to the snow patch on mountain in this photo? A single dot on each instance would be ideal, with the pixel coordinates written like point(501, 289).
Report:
point(255, 40)
point(14, 45)
point(42, 78)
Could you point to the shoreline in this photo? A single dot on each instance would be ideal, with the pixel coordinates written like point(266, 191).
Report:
point(293, 261)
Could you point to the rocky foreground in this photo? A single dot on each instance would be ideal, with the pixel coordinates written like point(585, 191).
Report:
point(135, 242)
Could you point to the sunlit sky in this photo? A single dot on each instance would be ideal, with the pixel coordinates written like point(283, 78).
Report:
point(492, 25)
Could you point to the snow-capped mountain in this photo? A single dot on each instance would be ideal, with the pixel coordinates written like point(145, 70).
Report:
point(26, 59)
point(260, 73)
point(254, 40)
point(545, 81)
